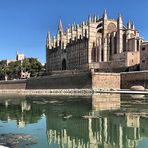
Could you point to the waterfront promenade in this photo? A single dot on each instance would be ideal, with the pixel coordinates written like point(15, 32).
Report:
point(68, 92)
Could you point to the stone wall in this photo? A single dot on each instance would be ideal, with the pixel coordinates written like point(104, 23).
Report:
point(67, 80)
point(61, 81)
point(144, 56)
point(17, 84)
point(105, 81)
point(128, 59)
point(134, 78)
point(81, 80)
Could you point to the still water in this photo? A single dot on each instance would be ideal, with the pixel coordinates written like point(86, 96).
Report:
point(99, 121)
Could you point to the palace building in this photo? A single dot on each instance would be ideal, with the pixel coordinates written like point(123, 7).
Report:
point(102, 44)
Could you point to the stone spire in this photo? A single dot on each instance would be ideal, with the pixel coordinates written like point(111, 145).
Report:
point(83, 23)
point(133, 25)
point(89, 19)
point(60, 26)
point(95, 18)
point(120, 18)
point(120, 22)
point(48, 40)
point(129, 25)
point(60, 33)
point(105, 14)
point(74, 25)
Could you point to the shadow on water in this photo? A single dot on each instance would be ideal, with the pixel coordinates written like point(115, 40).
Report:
point(103, 120)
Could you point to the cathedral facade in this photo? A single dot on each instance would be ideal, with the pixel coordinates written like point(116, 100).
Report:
point(98, 43)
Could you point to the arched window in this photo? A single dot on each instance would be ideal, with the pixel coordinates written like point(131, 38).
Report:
point(64, 64)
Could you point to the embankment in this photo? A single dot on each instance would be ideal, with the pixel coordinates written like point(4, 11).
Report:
point(51, 92)
point(13, 84)
point(67, 80)
point(80, 80)
point(130, 79)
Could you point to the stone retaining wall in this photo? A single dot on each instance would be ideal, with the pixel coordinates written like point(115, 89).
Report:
point(13, 84)
point(80, 80)
point(130, 79)
point(105, 81)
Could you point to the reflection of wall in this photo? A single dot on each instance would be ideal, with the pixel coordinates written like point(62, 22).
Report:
point(73, 131)
point(108, 131)
point(67, 128)
point(106, 101)
point(124, 135)
point(76, 131)
point(79, 133)
point(143, 127)
point(132, 120)
point(12, 98)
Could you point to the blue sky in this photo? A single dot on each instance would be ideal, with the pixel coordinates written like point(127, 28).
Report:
point(24, 23)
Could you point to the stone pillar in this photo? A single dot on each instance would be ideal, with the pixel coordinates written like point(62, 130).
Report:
point(67, 35)
point(105, 49)
point(127, 38)
point(119, 35)
point(78, 32)
point(108, 47)
point(58, 40)
point(135, 45)
point(73, 32)
point(100, 50)
point(91, 39)
point(119, 41)
point(83, 29)
point(112, 43)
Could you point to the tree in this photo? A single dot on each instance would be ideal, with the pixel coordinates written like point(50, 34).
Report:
point(4, 70)
point(15, 69)
point(32, 65)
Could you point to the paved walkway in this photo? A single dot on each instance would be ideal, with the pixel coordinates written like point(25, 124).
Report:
point(68, 92)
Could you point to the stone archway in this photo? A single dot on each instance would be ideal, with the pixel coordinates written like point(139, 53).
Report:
point(64, 64)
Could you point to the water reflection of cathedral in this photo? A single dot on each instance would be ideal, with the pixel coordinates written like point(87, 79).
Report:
point(106, 125)
point(109, 129)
